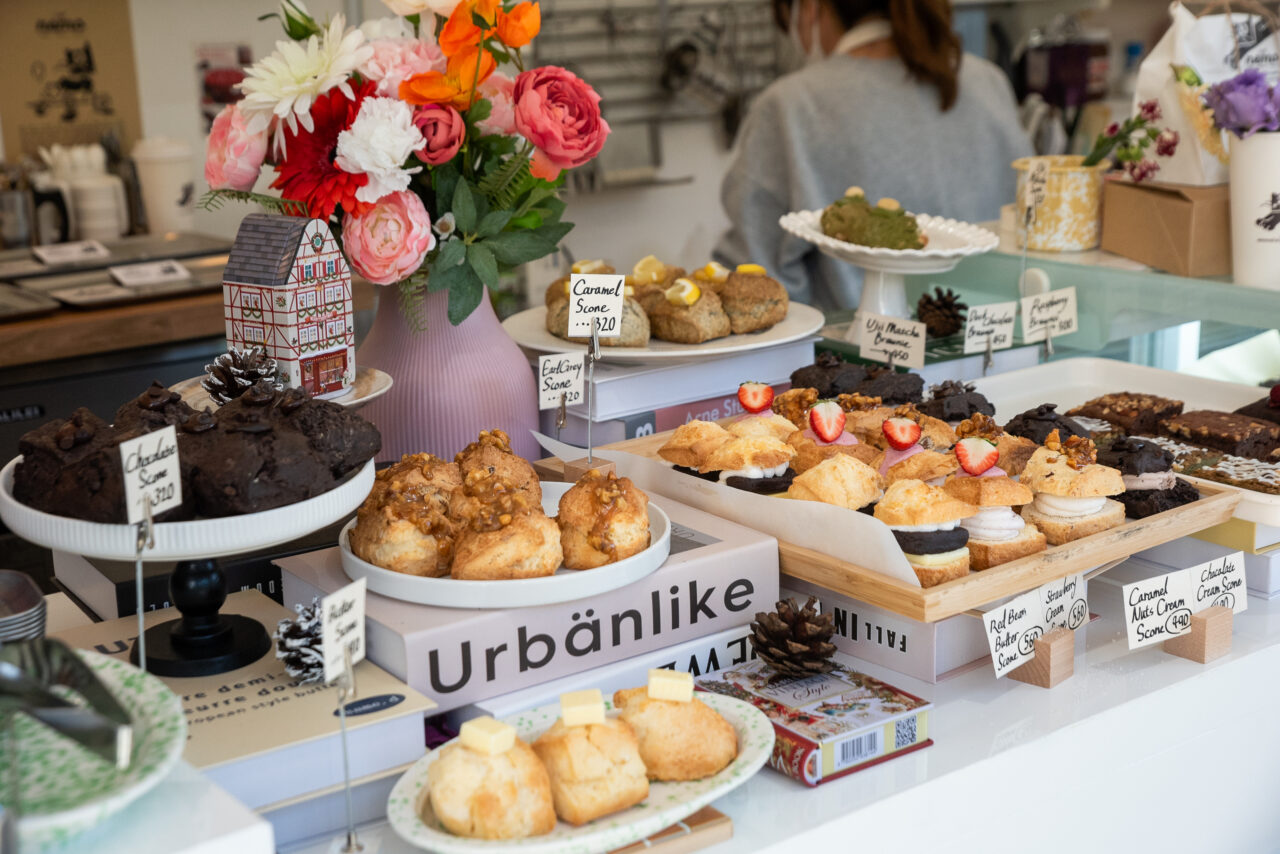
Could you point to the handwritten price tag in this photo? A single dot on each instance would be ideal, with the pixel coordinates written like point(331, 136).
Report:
point(1049, 314)
point(993, 322)
point(1036, 189)
point(150, 273)
point(599, 296)
point(559, 374)
point(342, 628)
point(1064, 602)
point(71, 253)
point(1159, 608)
point(1012, 629)
point(882, 338)
point(151, 473)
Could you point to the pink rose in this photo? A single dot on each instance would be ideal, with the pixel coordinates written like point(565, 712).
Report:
point(395, 60)
point(443, 128)
point(498, 90)
point(234, 155)
point(560, 115)
point(391, 241)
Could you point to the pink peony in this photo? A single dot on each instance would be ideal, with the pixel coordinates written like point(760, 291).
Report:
point(234, 156)
point(395, 60)
point(498, 89)
point(443, 129)
point(391, 241)
point(560, 115)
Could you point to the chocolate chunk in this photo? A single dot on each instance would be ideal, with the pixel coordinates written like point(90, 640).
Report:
point(711, 475)
point(1141, 503)
point(1036, 424)
point(762, 485)
point(1135, 457)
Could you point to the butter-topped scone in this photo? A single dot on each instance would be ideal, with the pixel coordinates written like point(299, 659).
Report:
point(680, 737)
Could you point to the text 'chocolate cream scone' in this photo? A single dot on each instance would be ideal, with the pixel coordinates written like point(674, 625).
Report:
point(1150, 486)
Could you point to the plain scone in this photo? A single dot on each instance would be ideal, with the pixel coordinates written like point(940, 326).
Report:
point(507, 796)
point(595, 769)
point(678, 741)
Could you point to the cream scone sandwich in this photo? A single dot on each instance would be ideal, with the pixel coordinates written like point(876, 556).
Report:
point(760, 464)
point(1071, 490)
point(997, 534)
point(925, 521)
point(912, 455)
point(840, 480)
point(759, 418)
point(691, 443)
point(825, 437)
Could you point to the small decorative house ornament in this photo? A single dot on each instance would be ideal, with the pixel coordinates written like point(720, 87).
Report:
point(287, 289)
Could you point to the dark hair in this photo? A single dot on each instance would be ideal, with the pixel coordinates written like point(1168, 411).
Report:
point(922, 34)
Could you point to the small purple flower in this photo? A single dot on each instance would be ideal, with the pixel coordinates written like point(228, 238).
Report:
point(1166, 143)
point(1111, 129)
point(1243, 104)
point(1149, 110)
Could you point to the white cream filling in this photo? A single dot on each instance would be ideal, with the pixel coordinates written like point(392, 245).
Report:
point(940, 526)
point(754, 472)
point(1067, 507)
point(994, 524)
point(1150, 480)
point(938, 559)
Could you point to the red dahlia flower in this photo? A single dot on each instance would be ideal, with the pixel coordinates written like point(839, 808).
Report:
point(308, 173)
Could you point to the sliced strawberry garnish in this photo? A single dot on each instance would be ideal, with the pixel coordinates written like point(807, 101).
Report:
point(1275, 396)
point(976, 455)
point(902, 433)
point(755, 397)
point(826, 420)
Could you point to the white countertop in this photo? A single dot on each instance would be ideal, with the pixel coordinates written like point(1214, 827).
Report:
point(1136, 752)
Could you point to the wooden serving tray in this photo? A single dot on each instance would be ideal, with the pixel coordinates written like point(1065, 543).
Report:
point(930, 604)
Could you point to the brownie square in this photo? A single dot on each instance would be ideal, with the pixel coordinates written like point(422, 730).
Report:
point(1261, 410)
point(1135, 412)
point(1224, 431)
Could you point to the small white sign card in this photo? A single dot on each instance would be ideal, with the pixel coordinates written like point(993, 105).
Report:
point(342, 628)
point(71, 253)
point(150, 273)
point(1159, 608)
point(992, 322)
point(1049, 314)
point(151, 473)
point(882, 338)
point(1065, 602)
point(560, 374)
point(596, 295)
point(1012, 630)
point(1037, 182)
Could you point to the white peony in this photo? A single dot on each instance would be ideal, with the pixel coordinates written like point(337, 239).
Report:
point(443, 8)
point(377, 144)
point(284, 85)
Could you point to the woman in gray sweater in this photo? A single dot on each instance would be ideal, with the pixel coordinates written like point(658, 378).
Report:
point(886, 101)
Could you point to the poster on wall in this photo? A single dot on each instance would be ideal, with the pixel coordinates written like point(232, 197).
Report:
point(69, 74)
point(219, 68)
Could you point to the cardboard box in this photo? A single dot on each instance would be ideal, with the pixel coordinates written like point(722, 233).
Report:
point(718, 576)
point(1177, 228)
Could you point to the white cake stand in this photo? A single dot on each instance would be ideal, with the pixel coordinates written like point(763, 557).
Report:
point(884, 288)
point(202, 642)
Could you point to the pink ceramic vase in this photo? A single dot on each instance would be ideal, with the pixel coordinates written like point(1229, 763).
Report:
point(451, 382)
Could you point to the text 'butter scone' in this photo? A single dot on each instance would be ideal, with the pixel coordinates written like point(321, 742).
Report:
point(603, 519)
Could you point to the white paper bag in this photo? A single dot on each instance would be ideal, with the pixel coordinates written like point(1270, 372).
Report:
point(1207, 46)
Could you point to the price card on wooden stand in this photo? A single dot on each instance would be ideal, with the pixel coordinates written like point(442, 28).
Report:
point(882, 338)
point(151, 474)
point(599, 296)
point(149, 273)
point(1012, 630)
point(342, 628)
point(1049, 315)
point(560, 375)
point(989, 325)
point(1159, 608)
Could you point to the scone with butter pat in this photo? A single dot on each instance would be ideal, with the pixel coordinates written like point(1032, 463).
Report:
point(678, 740)
point(595, 769)
point(501, 796)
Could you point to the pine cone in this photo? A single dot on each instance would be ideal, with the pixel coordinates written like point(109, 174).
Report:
point(298, 644)
point(236, 371)
point(794, 641)
point(942, 314)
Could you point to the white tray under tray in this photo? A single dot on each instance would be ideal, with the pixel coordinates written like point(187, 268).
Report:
point(1071, 382)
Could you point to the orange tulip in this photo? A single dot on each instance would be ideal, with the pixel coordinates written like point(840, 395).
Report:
point(456, 86)
point(460, 31)
point(519, 26)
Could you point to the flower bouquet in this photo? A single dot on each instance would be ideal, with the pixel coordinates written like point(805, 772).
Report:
point(438, 170)
point(1128, 141)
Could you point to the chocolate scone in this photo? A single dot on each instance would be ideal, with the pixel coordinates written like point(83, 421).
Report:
point(830, 375)
point(1136, 412)
point(1147, 469)
point(893, 388)
point(956, 401)
point(343, 438)
point(1036, 424)
point(1224, 431)
point(1141, 503)
point(1267, 409)
point(155, 408)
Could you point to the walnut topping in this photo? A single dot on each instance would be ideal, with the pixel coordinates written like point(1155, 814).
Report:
point(981, 426)
point(794, 405)
point(1078, 450)
point(858, 402)
point(908, 410)
point(498, 502)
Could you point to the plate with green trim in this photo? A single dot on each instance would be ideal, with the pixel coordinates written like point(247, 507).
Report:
point(65, 790)
point(409, 813)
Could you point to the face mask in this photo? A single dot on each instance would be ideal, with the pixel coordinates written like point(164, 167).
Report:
point(814, 53)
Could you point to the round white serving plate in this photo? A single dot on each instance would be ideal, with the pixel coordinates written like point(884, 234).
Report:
point(667, 802)
point(198, 538)
point(566, 585)
point(529, 330)
point(370, 384)
point(66, 790)
point(950, 241)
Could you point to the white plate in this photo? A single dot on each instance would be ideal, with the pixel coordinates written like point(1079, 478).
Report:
point(226, 535)
point(566, 585)
point(370, 384)
point(667, 802)
point(69, 790)
point(529, 330)
point(949, 241)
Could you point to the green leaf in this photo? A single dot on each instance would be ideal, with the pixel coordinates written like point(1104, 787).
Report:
point(482, 261)
point(518, 247)
point(446, 270)
point(215, 199)
point(554, 232)
point(464, 207)
point(492, 223)
point(479, 111)
point(479, 21)
point(554, 208)
point(532, 219)
point(465, 296)
point(444, 180)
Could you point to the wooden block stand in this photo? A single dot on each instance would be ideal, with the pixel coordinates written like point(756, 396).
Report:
point(575, 469)
point(1209, 638)
point(1054, 660)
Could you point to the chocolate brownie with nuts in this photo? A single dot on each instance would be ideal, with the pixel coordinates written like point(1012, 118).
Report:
point(1267, 409)
point(1235, 434)
point(1137, 413)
